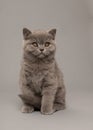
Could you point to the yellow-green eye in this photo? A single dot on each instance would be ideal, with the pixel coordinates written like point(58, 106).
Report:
point(47, 44)
point(35, 44)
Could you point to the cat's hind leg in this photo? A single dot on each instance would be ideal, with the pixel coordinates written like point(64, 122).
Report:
point(27, 108)
point(30, 102)
point(59, 103)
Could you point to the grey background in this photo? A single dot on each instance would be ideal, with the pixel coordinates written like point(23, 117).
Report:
point(74, 22)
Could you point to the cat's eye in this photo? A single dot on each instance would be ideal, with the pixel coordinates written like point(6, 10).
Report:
point(47, 44)
point(34, 44)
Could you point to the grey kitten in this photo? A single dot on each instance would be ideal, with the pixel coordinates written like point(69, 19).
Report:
point(41, 80)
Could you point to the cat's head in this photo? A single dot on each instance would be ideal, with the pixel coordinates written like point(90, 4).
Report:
point(39, 43)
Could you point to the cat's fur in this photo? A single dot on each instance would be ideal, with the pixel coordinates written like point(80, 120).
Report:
point(41, 80)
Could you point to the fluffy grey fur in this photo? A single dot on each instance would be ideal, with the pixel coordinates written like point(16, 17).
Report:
point(41, 81)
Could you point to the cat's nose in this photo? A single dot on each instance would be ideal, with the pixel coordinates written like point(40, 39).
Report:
point(42, 49)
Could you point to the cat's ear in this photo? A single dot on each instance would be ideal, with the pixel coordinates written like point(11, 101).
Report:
point(26, 33)
point(53, 33)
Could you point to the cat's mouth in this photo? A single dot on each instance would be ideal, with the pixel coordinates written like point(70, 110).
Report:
point(41, 55)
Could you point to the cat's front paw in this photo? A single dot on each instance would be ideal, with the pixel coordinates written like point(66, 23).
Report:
point(46, 111)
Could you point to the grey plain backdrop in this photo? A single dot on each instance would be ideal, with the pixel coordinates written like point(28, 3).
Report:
point(74, 22)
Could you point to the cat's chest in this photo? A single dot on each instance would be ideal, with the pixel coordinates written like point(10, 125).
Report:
point(37, 77)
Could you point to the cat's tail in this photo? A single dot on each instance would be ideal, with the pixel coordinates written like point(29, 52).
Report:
point(34, 101)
